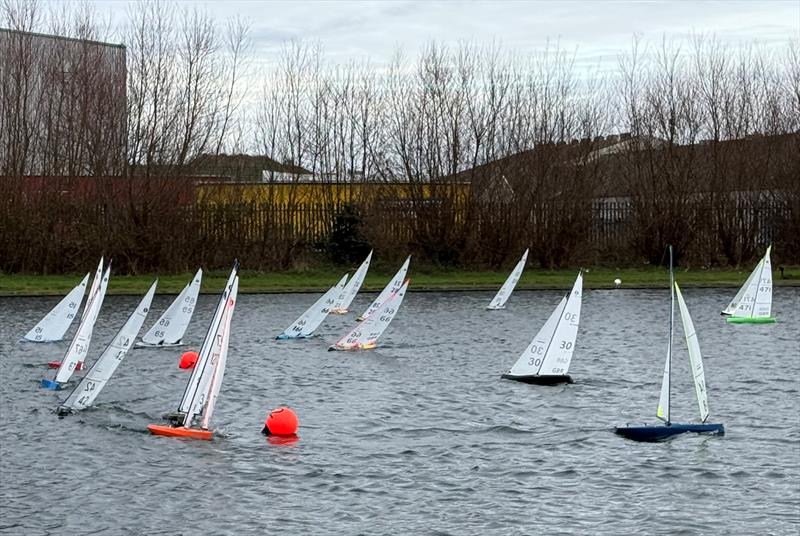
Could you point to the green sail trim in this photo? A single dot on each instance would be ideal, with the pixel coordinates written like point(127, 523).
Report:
point(751, 320)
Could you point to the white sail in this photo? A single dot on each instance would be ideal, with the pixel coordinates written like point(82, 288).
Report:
point(310, 320)
point(558, 356)
point(530, 361)
point(196, 388)
point(731, 308)
point(219, 360)
point(663, 410)
point(101, 294)
point(365, 335)
point(393, 286)
point(171, 326)
point(56, 323)
point(98, 276)
point(754, 299)
point(76, 353)
point(747, 302)
point(763, 303)
point(695, 357)
point(500, 299)
point(349, 292)
point(90, 386)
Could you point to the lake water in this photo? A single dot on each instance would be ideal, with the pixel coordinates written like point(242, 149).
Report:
point(419, 436)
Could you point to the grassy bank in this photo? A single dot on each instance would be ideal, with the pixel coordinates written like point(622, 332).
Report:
point(421, 279)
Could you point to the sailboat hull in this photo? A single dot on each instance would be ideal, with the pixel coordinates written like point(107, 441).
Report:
point(284, 337)
point(142, 344)
point(751, 320)
point(179, 431)
point(663, 432)
point(334, 348)
point(50, 384)
point(57, 364)
point(540, 380)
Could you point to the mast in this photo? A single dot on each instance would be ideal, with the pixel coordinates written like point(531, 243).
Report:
point(669, 346)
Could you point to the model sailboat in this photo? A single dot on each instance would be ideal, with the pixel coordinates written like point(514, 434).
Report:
point(202, 390)
point(310, 320)
point(365, 335)
point(393, 286)
point(90, 386)
point(350, 290)
point(547, 358)
point(500, 299)
point(76, 353)
point(753, 303)
point(55, 324)
point(669, 428)
point(171, 326)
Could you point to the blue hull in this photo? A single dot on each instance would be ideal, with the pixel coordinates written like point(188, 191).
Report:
point(662, 432)
point(50, 384)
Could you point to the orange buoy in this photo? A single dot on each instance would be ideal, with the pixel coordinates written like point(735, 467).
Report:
point(281, 422)
point(188, 360)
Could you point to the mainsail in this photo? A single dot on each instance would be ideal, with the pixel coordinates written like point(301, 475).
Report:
point(695, 357)
point(365, 335)
point(90, 386)
point(56, 323)
point(393, 286)
point(98, 275)
point(550, 352)
point(349, 292)
point(76, 353)
point(196, 389)
point(754, 299)
point(171, 326)
point(219, 358)
point(310, 320)
point(663, 410)
point(500, 299)
point(558, 356)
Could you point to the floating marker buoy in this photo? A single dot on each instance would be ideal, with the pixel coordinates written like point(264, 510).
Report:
point(188, 360)
point(281, 422)
point(617, 282)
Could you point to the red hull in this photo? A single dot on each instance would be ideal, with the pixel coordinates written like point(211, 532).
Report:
point(57, 364)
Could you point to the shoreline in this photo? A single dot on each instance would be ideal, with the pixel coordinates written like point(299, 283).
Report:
point(424, 281)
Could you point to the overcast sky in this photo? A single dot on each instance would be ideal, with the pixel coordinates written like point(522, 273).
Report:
point(598, 30)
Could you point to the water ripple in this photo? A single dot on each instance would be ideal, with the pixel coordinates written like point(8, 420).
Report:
point(420, 436)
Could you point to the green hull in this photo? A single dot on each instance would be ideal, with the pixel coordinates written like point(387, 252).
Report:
point(749, 320)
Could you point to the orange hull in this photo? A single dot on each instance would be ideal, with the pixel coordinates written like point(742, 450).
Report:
point(179, 431)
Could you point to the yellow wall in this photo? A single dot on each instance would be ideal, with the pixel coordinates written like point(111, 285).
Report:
point(309, 209)
point(327, 193)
